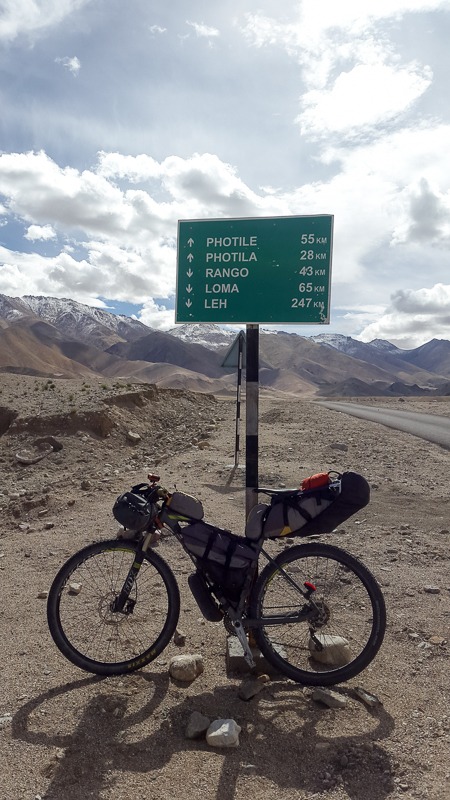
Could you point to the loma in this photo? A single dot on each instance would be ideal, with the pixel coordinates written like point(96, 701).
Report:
point(221, 288)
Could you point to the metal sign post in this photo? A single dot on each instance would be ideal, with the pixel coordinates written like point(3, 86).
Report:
point(252, 404)
point(236, 357)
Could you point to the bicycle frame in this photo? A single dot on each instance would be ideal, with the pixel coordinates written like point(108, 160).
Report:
point(235, 613)
point(298, 588)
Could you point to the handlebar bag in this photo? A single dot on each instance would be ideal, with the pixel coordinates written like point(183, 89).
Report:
point(184, 507)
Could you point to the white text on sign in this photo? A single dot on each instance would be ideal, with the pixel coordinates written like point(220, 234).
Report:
point(231, 241)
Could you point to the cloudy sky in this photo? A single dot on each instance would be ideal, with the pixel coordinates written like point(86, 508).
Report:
point(119, 119)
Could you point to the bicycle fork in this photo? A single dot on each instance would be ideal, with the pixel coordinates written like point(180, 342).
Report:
point(122, 604)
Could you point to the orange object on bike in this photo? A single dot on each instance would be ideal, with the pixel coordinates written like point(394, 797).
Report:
point(314, 481)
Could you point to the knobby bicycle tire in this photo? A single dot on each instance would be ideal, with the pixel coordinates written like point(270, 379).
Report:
point(350, 615)
point(81, 620)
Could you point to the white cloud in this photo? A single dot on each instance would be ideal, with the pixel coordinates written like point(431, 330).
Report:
point(354, 16)
point(351, 68)
point(106, 271)
point(134, 168)
point(72, 64)
point(426, 214)
point(157, 316)
point(360, 98)
point(133, 275)
point(413, 318)
point(129, 237)
point(375, 179)
point(40, 233)
point(306, 107)
point(202, 30)
point(157, 29)
point(317, 20)
point(42, 192)
point(33, 16)
point(117, 223)
point(30, 273)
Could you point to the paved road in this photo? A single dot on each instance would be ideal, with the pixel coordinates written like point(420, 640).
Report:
point(427, 426)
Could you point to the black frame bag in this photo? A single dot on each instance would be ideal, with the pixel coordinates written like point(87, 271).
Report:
point(225, 557)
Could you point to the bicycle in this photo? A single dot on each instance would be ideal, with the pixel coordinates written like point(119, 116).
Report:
point(314, 611)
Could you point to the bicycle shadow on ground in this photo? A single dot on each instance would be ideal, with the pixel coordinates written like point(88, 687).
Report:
point(110, 737)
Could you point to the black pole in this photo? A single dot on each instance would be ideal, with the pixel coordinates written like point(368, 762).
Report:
point(252, 397)
point(238, 400)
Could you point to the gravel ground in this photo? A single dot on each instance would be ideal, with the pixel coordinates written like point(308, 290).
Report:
point(67, 735)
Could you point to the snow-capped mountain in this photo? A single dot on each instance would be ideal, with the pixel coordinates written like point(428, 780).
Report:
point(207, 334)
point(386, 347)
point(353, 347)
point(87, 324)
point(345, 344)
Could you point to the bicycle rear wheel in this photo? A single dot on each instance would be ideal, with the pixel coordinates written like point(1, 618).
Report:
point(343, 620)
point(80, 614)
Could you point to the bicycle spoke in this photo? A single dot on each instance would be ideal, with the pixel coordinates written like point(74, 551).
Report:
point(336, 632)
point(82, 618)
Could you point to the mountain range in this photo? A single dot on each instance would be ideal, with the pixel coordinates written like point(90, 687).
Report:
point(51, 337)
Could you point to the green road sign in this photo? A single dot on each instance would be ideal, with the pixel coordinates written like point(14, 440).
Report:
point(259, 270)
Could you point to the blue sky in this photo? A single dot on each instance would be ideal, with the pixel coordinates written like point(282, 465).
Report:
point(120, 119)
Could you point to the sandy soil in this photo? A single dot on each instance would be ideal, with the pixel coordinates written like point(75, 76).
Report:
point(66, 735)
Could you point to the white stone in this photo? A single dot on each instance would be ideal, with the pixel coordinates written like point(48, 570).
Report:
point(186, 667)
point(336, 651)
point(223, 733)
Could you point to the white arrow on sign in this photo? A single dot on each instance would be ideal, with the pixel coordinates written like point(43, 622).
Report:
point(189, 289)
point(189, 273)
point(188, 303)
point(190, 257)
point(190, 242)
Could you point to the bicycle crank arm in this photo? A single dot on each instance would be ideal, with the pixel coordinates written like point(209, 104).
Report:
point(240, 633)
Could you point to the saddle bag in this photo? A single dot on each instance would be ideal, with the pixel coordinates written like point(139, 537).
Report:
point(309, 511)
point(225, 557)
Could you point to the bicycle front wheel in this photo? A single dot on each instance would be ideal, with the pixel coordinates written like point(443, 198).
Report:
point(321, 613)
point(81, 616)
